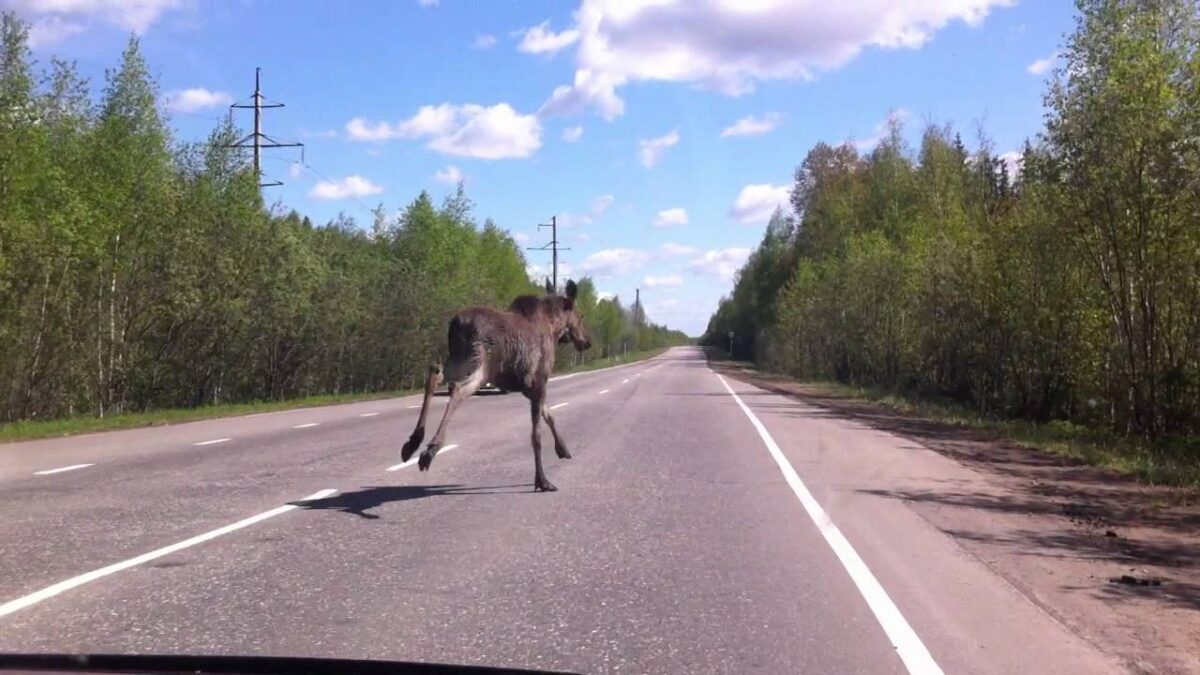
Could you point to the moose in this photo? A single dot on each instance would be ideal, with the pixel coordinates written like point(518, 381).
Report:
point(512, 349)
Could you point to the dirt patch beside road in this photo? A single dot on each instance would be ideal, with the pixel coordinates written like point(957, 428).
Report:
point(1116, 561)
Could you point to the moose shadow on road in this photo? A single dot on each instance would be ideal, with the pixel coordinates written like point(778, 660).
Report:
point(359, 502)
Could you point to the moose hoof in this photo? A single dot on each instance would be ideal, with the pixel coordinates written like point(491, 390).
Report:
point(543, 485)
point(562, 452)
point(425, 461)
point(407, 451)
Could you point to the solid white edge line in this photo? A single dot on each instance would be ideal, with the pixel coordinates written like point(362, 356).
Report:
point(61, 469)
point(904, 639)
point(412, 407)
point(213, 441)
point(410, 462)
point(604, 391)
point(74, 582)
point(370, 414)
point(306, 425)
point(556, 406)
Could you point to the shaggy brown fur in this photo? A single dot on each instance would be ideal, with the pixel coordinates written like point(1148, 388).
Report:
point(513, 350)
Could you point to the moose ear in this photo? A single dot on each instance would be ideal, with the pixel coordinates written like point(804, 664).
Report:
point(572, 289)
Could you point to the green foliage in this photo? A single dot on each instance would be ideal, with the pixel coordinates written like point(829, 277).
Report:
point(617, 333)
point(1070, 292)
point(138, 274)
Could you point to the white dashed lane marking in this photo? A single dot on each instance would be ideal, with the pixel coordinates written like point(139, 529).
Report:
point(401, 465)
point(74, 582)
point(62, 469)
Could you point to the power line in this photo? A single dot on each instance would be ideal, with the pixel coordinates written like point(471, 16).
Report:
point(554, 249)
point(257, 139)
point(309, 168)
point(322, 176)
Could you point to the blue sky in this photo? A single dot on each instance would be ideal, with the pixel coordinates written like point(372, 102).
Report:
point(619, 118)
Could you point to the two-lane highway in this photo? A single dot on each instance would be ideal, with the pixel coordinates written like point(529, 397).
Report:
point(703, 526)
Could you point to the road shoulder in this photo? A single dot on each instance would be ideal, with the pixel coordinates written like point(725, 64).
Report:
point(1057, 531)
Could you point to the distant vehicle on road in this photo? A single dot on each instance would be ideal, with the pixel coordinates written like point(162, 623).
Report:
point(490, 388)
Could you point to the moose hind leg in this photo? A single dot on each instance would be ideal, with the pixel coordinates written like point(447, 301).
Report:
point(459, 391)
point(540, 483)
point(560, 448)
point(418, 434)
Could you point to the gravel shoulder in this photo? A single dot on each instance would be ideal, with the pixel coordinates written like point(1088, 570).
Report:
point(1116, 561)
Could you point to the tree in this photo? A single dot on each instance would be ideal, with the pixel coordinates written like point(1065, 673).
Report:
point(1068, 291)
point(1121, 114)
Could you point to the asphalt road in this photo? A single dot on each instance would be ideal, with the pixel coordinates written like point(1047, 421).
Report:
point(689, 534)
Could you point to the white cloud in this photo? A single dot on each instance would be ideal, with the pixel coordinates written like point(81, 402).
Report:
point(572, 134)
point(295, 169)
point(470, 130)
point(614, 261)
point(541, 40)
point(677, 250)
point(520, 237)
point(134, 15)
point(671, 281)
point(449, 175)
point(881, 130)
point(484, 41)
point(605, 295)
point(539, 272)
point(721, 263)
point(671, 217)
point(753, 126)
point(599, 206)
point(663, 306)
point(1012, 160)
point(651, 150)
point(755, 203)
point(1040, 66)
point(730, 46)
point(350, 186)
point(324, 133)
point(51, 30)
point(359, 129)
point(589, 89)
point(196, 99)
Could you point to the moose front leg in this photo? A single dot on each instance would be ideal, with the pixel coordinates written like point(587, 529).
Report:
point(537, 399)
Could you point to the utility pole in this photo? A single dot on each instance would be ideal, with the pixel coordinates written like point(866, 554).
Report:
point(258, 140)
point(554, 249)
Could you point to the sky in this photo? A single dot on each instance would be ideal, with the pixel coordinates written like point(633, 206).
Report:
point(661, 133)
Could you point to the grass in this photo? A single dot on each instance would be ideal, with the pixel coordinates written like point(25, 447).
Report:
point(69, 426)
point(25, 430)
point(1174, 462)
